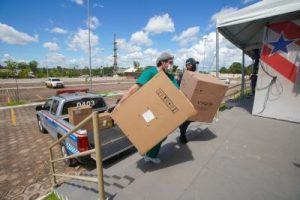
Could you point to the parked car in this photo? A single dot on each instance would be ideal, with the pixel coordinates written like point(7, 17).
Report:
point(225, 80)
point(54, 83)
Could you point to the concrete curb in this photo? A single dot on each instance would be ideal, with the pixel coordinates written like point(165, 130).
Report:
point(21, 106)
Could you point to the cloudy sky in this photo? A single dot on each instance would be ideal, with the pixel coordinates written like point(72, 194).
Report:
point(54, 32)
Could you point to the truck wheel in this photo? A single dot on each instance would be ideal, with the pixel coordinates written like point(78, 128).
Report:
point(40, 125)
point(68, 162)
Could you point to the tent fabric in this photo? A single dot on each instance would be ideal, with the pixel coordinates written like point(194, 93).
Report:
point(244, 28)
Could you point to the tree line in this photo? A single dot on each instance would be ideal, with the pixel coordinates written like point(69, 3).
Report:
point(235, 68)
point(31, 70)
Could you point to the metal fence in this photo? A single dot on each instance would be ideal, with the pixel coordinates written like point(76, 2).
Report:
point(235, 91)
point(97, 150)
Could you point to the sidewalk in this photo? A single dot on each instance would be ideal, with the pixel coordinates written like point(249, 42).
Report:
point(239, 157)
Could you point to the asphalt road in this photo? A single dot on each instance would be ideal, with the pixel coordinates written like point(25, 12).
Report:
point(38, 93)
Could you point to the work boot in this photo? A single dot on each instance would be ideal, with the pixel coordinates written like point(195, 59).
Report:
point(153, 160)
point(182, 139)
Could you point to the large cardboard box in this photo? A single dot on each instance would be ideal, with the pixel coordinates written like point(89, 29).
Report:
point(153, 112)
point(205, 92)
point(78, 114)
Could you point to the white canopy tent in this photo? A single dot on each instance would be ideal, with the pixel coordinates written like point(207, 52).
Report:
point(244, 28)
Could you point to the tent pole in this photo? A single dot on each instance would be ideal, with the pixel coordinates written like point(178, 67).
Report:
point(243, 75)
point(217, 52)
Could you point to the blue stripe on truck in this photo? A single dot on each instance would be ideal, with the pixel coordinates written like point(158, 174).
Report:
point(56, 125)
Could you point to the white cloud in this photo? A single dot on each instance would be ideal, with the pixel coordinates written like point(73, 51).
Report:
point(58, 30)
point(52, 46)
point(54, 59)
point(187, 36)
point(224, 11)
point(247, 1)
point(127, 47)
point(204, 51)
point(79, 2)
point(159, 24)
point(152, 52)
point(140, 38)
point(94, 22)
point(79, 40)
point(11, 36)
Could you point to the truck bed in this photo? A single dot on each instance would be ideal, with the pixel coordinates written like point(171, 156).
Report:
point(113, 142)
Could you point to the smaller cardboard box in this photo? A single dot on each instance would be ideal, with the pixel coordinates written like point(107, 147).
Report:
point(105, 121)
point(205, 92)
point(78, 114)
point(152, 113)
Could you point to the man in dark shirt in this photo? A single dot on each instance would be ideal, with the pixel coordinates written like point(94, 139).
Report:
point(190, 65)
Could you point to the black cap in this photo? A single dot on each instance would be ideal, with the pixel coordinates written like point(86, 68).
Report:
point(191, 61)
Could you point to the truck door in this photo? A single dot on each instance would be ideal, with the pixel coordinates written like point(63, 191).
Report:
point(45, 111)
point(53, 124)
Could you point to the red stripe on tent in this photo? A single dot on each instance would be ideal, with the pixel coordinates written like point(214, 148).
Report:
point(290, 29)
point(279, 63)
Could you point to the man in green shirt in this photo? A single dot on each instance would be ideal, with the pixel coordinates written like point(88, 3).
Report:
point(163, 63)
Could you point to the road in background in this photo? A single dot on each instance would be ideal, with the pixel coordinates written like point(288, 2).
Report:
point(36, 93)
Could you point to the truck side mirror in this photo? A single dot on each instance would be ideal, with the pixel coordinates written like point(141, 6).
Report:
point(39, 107)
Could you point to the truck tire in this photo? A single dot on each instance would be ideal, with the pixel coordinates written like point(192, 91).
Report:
point(68, 162)
point(40, 125)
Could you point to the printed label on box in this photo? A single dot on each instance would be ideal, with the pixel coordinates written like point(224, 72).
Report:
point(148, 116)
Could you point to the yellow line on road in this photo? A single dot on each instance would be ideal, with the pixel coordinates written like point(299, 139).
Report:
point(13, 116)
point(41, 98)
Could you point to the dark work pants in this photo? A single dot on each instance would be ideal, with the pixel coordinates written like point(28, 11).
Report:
point(183, 127)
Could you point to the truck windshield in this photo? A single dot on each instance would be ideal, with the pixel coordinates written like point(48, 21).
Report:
point(95, 103)
point(55, 79)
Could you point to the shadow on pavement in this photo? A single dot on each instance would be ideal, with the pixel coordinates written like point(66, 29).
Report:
point(200, 135)
point(174, 153)
point(246, 103)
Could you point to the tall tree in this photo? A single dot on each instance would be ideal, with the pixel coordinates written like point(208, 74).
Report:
point(223, 70)
point(33, 66)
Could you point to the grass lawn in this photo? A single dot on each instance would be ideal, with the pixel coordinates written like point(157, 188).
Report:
point(15, 103)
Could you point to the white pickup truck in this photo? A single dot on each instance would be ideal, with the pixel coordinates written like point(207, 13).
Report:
point(54, 83)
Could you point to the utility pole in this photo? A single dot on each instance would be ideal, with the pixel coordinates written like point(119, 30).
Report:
point(17, 71)
point(217, 52)
point(90, 49)
point(115, 55)
point(204, 43)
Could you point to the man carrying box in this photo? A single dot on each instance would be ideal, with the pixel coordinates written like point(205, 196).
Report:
point(190, 65)
point(163, 63)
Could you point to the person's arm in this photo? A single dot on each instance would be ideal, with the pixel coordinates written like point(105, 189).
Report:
point(130, 92)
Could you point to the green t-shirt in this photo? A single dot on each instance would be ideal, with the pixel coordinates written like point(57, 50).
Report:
point(149, 73)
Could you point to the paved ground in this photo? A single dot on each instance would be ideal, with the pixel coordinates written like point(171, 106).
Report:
point(239, 157)
point(24, 167)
